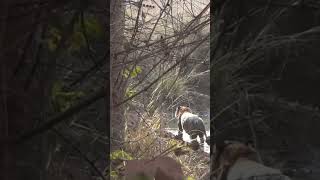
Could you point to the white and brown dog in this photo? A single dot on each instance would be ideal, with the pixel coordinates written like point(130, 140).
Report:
point(191, 123)
point(236, 160)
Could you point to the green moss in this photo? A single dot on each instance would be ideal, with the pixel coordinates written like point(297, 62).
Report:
point(63, 100)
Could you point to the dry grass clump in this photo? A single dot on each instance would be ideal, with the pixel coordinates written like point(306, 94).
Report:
point(194, 164)
point(143, 141)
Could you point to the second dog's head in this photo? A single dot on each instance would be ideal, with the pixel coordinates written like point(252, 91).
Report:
point(181, 109)
point(230, 151)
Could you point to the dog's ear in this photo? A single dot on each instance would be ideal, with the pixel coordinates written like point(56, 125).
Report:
point(222, 145)
point(177, 111)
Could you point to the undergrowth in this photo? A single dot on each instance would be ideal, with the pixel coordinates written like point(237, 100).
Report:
point(147, 141)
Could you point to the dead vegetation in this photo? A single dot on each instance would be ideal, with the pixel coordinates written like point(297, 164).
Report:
point(265, 70)
point(150, 142)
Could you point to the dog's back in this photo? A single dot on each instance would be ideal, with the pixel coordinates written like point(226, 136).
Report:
point(192, 122)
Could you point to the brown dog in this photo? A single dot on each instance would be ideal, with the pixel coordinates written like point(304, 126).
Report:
point(236, 160)
point(162, 168)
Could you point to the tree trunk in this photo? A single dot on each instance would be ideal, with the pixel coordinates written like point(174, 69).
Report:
point(117, 123)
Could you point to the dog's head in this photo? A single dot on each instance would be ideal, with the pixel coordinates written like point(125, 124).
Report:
point(232, 150)
point(181, 109)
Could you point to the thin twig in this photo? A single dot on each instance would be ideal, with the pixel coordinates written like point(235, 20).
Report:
point(166, 72)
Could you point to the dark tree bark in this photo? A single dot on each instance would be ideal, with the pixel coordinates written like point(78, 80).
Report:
point(24, 89)
point(26, 78)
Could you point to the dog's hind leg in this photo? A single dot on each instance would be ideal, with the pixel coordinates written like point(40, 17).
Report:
point(201, 135)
